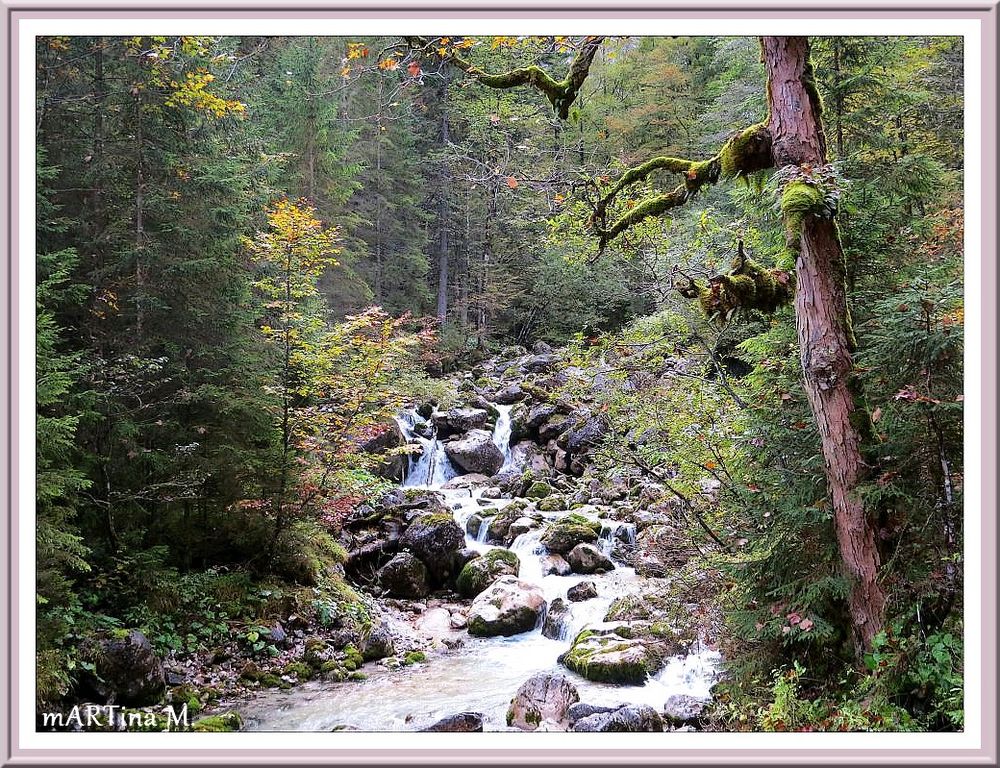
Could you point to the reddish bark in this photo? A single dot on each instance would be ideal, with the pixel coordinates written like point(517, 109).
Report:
point(824, 339)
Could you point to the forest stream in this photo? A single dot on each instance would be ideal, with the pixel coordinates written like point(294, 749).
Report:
point(482, 674)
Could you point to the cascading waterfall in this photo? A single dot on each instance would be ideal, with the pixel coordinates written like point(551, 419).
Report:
point(502, 433)
point(458, 681)
point(432, 467)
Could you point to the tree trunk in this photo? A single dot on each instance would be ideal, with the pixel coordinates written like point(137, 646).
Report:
point(140, 230)
point(823, 324)
point(442, 293)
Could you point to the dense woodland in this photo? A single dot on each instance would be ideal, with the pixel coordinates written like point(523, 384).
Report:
point(253, 252)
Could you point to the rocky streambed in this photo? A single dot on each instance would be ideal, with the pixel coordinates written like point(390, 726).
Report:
point(542, 596)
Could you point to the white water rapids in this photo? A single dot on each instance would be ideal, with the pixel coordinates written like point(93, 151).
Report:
point(479, 674)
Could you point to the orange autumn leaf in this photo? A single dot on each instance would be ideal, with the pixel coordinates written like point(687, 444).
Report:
point(413, 68)
point(512, 182)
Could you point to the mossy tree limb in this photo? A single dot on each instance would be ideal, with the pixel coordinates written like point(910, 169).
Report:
point(746, 152)
point(560, 93)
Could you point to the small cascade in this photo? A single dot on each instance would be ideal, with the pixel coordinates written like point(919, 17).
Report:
point(613, 532)
point(432, 467)
point(502, 432)
point(483, 531)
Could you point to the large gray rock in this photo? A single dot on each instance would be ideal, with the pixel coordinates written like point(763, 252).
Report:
point(542, 697)
point(581, 710)
point(127, 671)
point(539, 414)
point(681, 709)
point(555, 565)
point(507, 607)
point(541, 348)
point(555, 618)
point(586, 558)
point(459, 420)
point(585, 590)
point(378, 643)
point(435, 538)
point(392, 467)
point(583, 437)
point(462, 722)
point(476, 452)
point(510, 394)
point(628, 719)
point(539, 363)
point(404, 576)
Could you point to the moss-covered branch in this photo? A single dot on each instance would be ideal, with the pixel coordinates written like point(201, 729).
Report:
point(560, 93)
point(746, 152)
point(748, 285)
point(654, 206)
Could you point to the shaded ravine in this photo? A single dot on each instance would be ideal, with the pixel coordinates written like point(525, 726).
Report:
point(479, 674)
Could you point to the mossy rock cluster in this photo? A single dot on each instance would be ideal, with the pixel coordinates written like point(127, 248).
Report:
point(478, 574)
point(414, 657)
point(554, 503)
point(664, 619)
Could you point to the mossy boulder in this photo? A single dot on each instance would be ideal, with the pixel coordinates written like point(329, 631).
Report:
point(414, 657)
point(224, 722)
point(353, 658)
point(568, 531)
point(538, 490)
point(478, 574)
point(298, 669)
point(610, 655)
